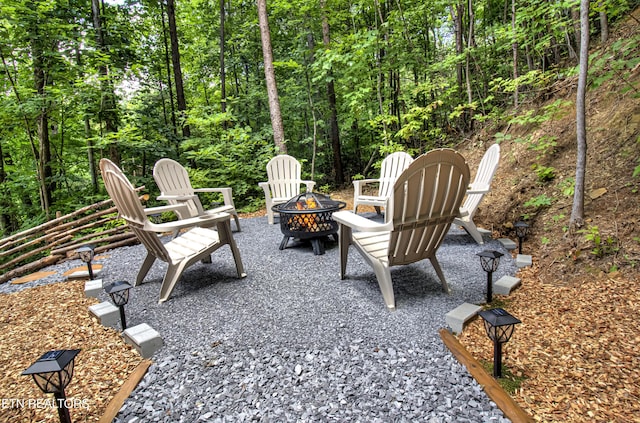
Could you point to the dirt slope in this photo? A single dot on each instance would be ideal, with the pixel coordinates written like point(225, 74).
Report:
point(577, 347)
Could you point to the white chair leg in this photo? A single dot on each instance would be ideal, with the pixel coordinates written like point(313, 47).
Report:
point(170, 280)
point(436, 266)
point(144, 269)
point(344, 239)
point(383, 274)
point(472, 230)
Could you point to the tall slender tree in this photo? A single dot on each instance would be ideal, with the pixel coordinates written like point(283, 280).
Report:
point(270, 77)
point(177, 68)
point(577, 211)
point(334, 131)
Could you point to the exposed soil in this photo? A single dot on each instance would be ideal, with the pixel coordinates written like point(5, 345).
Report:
point(577, 347)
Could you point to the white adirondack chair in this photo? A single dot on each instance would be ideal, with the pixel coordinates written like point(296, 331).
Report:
point(283, 182)
point(477, 190)
point(425, 199)
point(392, 166)
point(175, 188)
point(196, 244)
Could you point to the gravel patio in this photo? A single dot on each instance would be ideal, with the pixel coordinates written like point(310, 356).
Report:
point(292, 342)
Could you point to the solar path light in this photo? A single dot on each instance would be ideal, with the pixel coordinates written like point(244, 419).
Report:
point(119, 293)
point(86, 253)
point(490, 259)
point(521, 231)
point(52, 372)
point(499, 325)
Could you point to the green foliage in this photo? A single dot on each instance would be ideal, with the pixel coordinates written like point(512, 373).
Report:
point(555, 110)
point(396, 84)
point(500, 137)
point(539, 201)
point(601, 246)
point(567, 187)
point(545, 173)
point(615, 63)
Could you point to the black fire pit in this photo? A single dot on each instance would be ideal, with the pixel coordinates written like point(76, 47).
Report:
point(308, 217)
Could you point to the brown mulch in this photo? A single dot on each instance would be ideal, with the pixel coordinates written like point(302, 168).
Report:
point(54, 317)
point(577, 348)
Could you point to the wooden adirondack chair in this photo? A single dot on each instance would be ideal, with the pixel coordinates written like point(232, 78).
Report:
point(392, 166)
point(196, 244)
point(175, 188)
point(283, 182)
point(477, 190)
point(425, 199)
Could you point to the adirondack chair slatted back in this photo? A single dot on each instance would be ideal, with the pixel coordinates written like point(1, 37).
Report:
point(392, 166)
point(284, 175)
point(426, 199)
point(128, 204)
point(172, 179)
point(486, 169)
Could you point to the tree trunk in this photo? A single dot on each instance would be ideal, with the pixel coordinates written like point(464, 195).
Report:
point(334, 132)
point(107, 112)
point(514, 47)
point(270, 77)
point(604, 22)
point(167, 61)
point(577, 211)
point(177, 69)
point(223, 79)
point(456, 15)
point(44, 152)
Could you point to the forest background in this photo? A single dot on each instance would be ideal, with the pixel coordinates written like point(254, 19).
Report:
point(135, 81)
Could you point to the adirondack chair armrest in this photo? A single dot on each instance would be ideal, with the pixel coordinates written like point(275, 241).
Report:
point(360, 183)
point(206, 220)
point(463, 212)
point(171, 197)
point(265, 188)
point(310, 185)
point(359, 223)
point(227, 193)
point(478, 189)
point(161, 209)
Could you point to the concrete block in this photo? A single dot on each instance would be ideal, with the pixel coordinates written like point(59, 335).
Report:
point(93, 288)
point(505, 285)
point(107, 314)
point(523, 260)
point(143, 338)
point(508, 244)
point(457, 317)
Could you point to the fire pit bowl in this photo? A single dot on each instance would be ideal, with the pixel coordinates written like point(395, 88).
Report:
point(308, 216)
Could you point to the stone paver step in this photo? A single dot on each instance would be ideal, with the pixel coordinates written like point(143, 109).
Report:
point(457, 317)
point(143, 338)
point(505, 285)
point(107, 314)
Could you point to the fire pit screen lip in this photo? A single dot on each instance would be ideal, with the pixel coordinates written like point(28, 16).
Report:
point(323, 204)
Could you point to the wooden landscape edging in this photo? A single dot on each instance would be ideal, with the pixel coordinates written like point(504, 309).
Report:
point(509, 407)
point(125, 390)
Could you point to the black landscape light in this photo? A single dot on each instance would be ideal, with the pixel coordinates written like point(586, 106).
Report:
point(119, 293)
point(521, 231)
point(490, 259)
point(86, 253)
point(499, 326)
point(52, 372)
